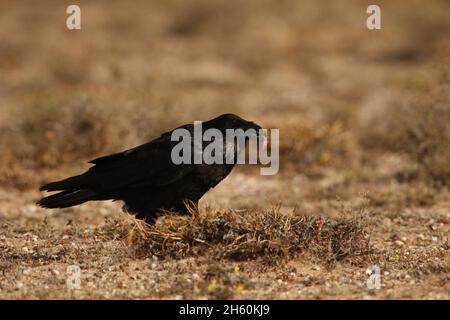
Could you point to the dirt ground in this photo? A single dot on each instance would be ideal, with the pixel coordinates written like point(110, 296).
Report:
point(364, 146)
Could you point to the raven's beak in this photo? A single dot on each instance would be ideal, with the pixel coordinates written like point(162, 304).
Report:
point(260, 134)
point(265, 142)
point(263, 137)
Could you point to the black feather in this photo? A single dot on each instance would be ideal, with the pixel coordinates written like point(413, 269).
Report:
point(67, 199)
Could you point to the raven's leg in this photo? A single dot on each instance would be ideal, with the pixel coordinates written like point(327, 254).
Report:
point(148, 216)
point(186, 207)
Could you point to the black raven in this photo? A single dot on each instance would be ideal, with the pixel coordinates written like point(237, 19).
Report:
point(146, 177)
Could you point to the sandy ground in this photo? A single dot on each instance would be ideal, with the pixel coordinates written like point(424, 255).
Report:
point(410, 236)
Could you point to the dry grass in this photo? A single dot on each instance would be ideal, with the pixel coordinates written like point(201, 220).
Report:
point(248, 235)
point(311, 143)
point(418, 126)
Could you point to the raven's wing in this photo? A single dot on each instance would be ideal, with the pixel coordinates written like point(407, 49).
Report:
point(147, 165)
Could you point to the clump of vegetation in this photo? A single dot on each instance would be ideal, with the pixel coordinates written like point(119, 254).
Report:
point(418, 127)
point(247, 235)
point(306, 143)
point(427, 138)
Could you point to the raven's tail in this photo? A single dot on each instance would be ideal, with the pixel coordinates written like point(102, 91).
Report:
point(67, 198)
point(71, 183)
point(73, 191)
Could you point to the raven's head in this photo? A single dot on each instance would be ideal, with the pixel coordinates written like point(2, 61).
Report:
point(232, 121)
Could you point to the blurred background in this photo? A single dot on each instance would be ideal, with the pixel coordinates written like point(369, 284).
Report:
point(364, 132)
point(343, 96)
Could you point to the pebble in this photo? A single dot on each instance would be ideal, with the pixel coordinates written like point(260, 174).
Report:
point(387, 222)
point(399, 243)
